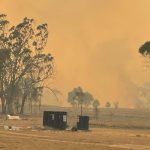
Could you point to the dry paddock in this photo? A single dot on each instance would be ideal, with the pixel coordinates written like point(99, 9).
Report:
point(115, 130)
point(96, 139)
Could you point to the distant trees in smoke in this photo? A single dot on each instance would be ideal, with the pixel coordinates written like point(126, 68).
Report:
point(78, 98)
point(144, 91)
point(83, 99)
point(108, 105)
point(24, 67)
point(96, 105)
point(116, 105)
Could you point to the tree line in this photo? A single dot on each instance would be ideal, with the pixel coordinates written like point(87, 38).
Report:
point(24, 66)
point(79, 98)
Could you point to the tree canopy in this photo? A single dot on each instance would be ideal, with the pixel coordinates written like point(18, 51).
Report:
point(145, 49)
point(96, 103)
point(23, 63)
point(77, 97)
point(108, 105)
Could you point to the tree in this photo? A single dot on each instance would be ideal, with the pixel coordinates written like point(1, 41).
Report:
point(145, 49)
point(36, 95)
point(116, 105)
point(31, 93)
point(87, 99)
point(4, 59)
point(144, 92)
point(108, 105)
point(79, 98)
point(21, 48)
point(96, 104)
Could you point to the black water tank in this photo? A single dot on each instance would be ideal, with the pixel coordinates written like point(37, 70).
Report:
point(55, 119)
point(83, 123)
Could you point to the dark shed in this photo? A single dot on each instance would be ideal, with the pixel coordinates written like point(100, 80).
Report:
point(55, 119)
point(83, 123)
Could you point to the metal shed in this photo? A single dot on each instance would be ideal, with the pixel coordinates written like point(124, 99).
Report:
point(55, 119)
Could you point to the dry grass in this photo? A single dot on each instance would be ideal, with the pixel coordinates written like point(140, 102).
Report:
point(101, 136)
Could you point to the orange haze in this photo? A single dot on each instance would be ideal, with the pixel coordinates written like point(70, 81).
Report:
point(95, 43)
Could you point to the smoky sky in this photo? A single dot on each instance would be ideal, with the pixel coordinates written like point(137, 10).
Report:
point(95, 44)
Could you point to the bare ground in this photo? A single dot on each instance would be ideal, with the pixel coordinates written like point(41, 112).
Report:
point(36, 138)
point(124, 130)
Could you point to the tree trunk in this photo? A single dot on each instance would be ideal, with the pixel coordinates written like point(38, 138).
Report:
point(96, 113)
point(10, 108)
point(81, 110)
point(3, 101)
point(10, 100)
point(31, 107)
point(35, 107)
point(40, 105)
point(23, 103)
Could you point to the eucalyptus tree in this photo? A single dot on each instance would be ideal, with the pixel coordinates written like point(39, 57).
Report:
point(144, 50)
point(4, 59)
point(108, 105)
point(23, 47)
point(96, 105)
point(77, 97)
point(116, 105)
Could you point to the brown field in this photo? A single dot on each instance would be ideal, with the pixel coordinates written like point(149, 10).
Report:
point(121, 129)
